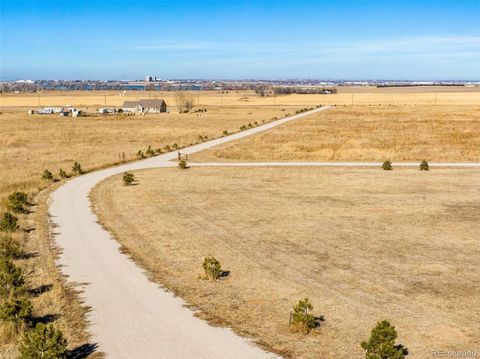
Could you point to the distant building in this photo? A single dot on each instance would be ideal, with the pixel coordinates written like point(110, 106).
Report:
point(106, 110)
point(45, 111)
point(145, 106)
point(149, 78)
point(70, 112)
point(49, 110)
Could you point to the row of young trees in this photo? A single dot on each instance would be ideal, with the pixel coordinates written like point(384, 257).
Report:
point(39, 340)
point(387, 165)
point(76, 170)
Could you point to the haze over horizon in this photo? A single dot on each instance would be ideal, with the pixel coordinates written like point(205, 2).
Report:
point(404, 40)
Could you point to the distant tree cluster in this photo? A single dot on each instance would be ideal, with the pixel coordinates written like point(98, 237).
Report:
point(303, 90)
point(19, 87)
point(264, 90)
point(184, 101)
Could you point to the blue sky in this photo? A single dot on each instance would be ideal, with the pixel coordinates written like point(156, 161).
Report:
point(417, 40)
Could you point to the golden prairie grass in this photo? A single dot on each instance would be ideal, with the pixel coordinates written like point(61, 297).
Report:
point(362, 244)
point(52, 299)
point(31, 144)
point(365, 133)
point(90, 100)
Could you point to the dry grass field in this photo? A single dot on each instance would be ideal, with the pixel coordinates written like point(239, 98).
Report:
point(365, 133)
point(362, 244)
point(52, 298)
point(90, 100)
point(30, 144)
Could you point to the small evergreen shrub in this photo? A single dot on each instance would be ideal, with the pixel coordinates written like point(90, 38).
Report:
point(9, 223)
point(387, 165)
point(10, 247)
point(243, 128)
point(424, 166)
point(62, 173)
point(12, 278)
point(381, 344)
point(250, 125)
point(301, 320)
point(128, 178)
point(16, 207)
point(182, 164)
point(47, 175)
point(158, 151)
point(167, 148)
point(20, 197)
point(140, 154)
point(17, 202)
point(212, 268)
point(150, 151)
point(16, 309)
point(77, 169)
point(225, 132)
point(43, 342)
point(175, 146)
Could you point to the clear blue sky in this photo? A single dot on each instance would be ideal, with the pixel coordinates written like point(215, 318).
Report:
point(387, 39)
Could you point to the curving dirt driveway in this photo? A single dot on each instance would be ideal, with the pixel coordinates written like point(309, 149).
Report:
point(132, 317)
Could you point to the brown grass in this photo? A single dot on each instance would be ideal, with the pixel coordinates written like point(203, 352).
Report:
point(362, 244)
point(90, 100)
point(50, 295)
point(364, 133)
point(31, 144)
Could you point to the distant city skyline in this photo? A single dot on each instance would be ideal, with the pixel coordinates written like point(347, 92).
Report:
point(355, 40)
